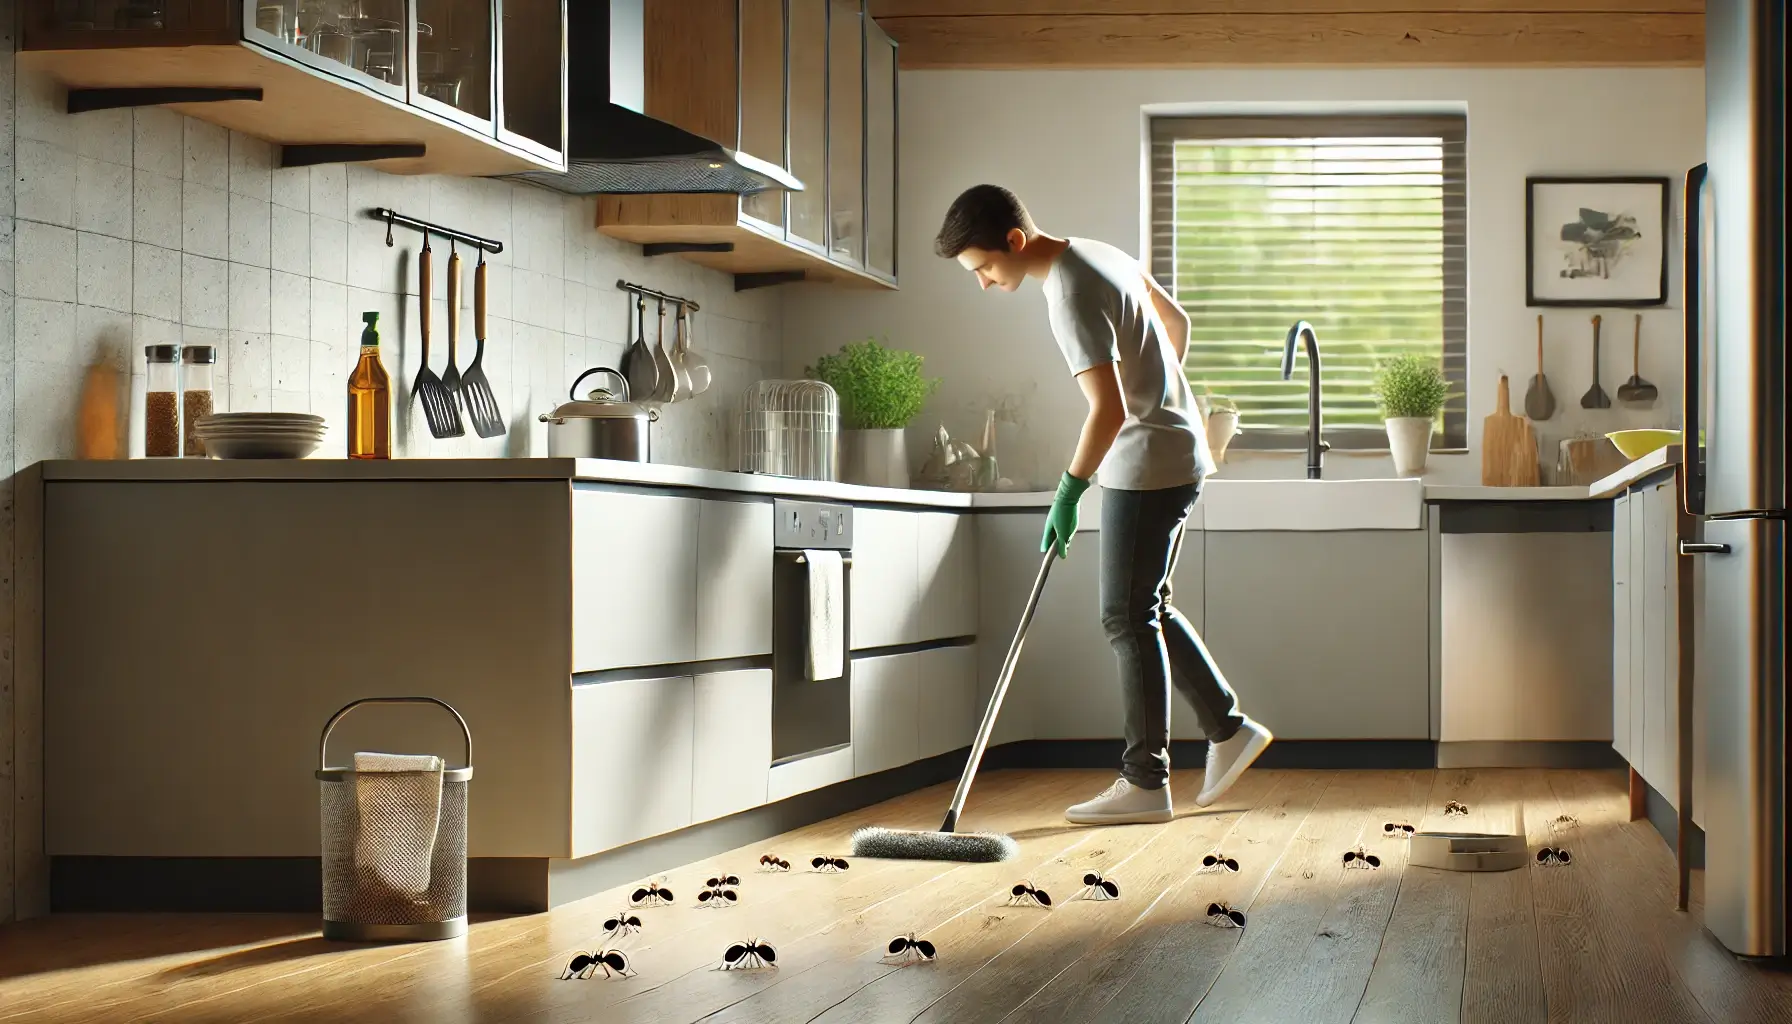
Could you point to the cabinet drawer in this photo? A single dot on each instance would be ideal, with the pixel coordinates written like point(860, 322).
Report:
point(634, 579)
point(885, 726)
point(885, 583)
point(946, 706)
point(946, 564)
point(734, 579)
point(631, 761)
point(733, 756)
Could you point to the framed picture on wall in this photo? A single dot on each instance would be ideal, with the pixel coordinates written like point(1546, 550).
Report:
point(1596, 241)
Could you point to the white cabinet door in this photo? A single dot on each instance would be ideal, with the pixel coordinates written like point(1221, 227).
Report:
point(632, 744)
point(1621, 628)
point(1639, 737)
point(634, 579)
point(734, 579)
point(885, 730)
point(1661, 667)
point(885, 583)
point(947, 708)
point(733, 757)
point(947, 564)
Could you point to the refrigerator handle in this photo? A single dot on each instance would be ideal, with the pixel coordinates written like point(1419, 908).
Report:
point(1688, 547)
point(1692, 453)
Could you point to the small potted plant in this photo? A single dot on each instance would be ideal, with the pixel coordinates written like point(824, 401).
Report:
point(1411, 391)
point(881, 390)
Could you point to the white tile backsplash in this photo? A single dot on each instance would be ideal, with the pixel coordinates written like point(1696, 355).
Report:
point(46, 183)
point(207, 152)
point(103, 271)
point(46, 262)
point(329, 249)
point(156, 287)
point(291, 305)
point(205, 292)
point(103, 197)
point(329, 191)
point(291, 240)
point(251, 167)
point(251, 221)
point(157, 143)
point(104, 135)
point(251, 299)
point(205, 220)
point(156, 209)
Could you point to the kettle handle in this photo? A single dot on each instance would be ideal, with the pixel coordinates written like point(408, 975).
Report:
point(573, 392)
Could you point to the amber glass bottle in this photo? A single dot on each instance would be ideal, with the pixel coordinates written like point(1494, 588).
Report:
point(370, 399)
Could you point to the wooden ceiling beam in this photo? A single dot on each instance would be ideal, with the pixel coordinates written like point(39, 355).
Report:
point(1405, 39)
point(971, 8)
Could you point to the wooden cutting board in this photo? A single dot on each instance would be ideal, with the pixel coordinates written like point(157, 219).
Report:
point(1508, 446)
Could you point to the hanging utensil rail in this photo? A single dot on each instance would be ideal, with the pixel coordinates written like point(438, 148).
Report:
point(648, 293)
point(392, 217)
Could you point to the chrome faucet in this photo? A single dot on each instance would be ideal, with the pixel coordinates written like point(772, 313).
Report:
point(1315, 446)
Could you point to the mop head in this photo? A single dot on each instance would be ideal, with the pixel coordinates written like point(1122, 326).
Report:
point(902, 844)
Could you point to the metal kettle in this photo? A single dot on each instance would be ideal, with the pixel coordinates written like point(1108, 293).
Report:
point(601, 426)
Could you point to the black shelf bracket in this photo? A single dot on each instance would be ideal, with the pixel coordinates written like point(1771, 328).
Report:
point(347, 153)
point(82, 100)
point(747, 282)
point(672, 248)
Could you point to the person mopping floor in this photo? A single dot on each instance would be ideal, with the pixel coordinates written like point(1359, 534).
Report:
point(1124, 338)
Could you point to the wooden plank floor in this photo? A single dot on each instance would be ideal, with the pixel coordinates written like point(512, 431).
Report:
point(1595, 941)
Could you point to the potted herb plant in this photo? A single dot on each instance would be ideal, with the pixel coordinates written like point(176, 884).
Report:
point(881, 390)
point(1411, 391)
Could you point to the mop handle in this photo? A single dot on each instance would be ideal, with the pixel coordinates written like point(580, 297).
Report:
point(995, 699)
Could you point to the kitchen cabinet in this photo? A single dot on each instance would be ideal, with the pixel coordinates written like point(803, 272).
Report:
point(634, 579)
point(1324, 635)
point(946, 561)
point(734, 579)
point(787, 83)
point(886, 727)
point(1645, 635)
point(947, 711)
point(465, 87)
point(885, 606)
point(1621, 688)
point(732, 758)
point(632, 758)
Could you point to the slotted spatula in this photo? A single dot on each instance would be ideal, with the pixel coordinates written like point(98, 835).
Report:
point(1539, 401)
point(637, 362)
point(475, 389)
point(451, 378)
point(439, 408)
point(1595, 398)
point(1636, 390)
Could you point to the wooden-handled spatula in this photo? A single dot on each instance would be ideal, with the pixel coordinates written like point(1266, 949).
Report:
point(1539, 401)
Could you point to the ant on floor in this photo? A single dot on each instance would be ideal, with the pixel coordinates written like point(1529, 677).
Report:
point(906, 949)
point(613, 962)
point(1221, 915)
point(622, 924)
point(770, 862)
point(1357, 858)
point(750, 955)
point(1026, 894)
point(1218, 861)
point(828, 865)
point(1098, 888)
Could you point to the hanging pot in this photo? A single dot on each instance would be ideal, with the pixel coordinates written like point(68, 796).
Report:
point(601, 426)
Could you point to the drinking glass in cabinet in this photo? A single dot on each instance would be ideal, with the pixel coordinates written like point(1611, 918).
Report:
point(808, 99)
point(762, 100)
point(365, 35)
point(846, 130)
point(454, 54)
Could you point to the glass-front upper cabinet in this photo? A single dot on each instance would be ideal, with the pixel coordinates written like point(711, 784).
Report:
point(763, 101)
point(846, 130)
point(453, 67)
point(52, 24)
point(809, 121)
point(532, 94)
point(880, 150)
point(365, 40)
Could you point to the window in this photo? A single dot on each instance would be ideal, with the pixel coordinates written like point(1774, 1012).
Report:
point(1355, 224)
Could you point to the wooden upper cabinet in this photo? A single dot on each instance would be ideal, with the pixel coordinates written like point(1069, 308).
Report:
point(807, 85)
point(480, 85)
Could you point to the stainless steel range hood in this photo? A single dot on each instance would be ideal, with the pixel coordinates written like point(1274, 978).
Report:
point(612, 146)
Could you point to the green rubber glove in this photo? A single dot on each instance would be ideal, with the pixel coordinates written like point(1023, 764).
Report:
point(1060, 522)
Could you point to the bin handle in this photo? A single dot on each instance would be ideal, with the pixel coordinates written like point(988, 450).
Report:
point(323, 742)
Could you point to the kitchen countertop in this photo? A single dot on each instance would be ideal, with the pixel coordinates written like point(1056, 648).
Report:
point(660, 475)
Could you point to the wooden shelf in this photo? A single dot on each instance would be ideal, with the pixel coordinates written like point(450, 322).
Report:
point(300, 105)
point(646, 220)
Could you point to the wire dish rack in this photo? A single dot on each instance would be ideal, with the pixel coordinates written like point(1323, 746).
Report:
point(789, 428)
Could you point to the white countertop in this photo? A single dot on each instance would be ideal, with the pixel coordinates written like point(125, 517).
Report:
point(1476, 492)
point(1617, 483)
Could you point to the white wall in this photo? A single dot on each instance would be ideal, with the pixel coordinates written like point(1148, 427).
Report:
point(1069, 143)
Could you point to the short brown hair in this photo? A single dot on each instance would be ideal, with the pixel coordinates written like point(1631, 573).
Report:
point(981, 218)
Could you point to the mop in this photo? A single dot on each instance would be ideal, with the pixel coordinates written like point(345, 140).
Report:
point(948, 843)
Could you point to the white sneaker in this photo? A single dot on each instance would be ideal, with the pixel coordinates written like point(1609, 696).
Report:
point(1226, 761)
point(1123, 804)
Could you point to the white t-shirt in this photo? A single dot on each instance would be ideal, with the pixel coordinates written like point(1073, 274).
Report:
point(1100, 310)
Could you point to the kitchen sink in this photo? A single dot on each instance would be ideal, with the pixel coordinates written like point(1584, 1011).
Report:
point(1313, 504)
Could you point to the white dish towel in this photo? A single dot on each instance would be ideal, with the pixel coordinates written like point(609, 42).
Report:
point(827, 614)
point(399, 797)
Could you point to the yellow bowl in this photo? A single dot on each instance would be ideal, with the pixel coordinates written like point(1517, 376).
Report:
point(1637, 443)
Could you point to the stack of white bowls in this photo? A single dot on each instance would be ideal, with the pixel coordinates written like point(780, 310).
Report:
point(260, 435)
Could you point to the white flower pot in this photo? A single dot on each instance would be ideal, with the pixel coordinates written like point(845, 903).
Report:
point(878, 458)
point(1222, 425)
point(1409, 438)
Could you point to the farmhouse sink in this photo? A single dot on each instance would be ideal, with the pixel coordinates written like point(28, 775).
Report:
point(1313, 504)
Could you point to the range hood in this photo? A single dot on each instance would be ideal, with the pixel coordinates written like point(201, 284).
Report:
point(612, 146)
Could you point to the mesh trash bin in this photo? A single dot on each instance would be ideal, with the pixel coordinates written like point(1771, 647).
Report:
point(394, 858)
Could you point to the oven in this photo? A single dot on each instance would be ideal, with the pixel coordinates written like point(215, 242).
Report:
point(808, 716)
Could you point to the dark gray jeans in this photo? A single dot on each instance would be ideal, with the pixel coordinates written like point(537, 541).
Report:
point(1141, 536)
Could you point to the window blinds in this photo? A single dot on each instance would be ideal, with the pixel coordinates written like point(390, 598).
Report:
point(1356, 224)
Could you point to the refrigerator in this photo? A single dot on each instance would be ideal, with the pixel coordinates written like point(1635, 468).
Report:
point(1735, 400)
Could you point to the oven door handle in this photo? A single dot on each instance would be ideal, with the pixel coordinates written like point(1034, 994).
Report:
point(797, 557)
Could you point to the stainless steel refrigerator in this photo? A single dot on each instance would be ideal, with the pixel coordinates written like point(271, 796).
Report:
point(1735, 399)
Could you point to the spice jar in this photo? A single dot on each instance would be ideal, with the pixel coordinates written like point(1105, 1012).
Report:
point(161, 402)
point(197, 362)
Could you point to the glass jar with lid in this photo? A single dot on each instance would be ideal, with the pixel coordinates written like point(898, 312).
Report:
point(161, 402)
point(197, 363)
